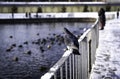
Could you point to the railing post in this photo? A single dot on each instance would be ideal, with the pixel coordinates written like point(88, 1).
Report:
point(70, 67)
point(79, 66)
point(80, 60)
point(85, 59)
point(66, 70)
point(73, 62)
point(76, 66)
point(97, 34)
point(61, 72)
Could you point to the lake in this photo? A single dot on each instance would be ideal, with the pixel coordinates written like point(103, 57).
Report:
point(27, 51)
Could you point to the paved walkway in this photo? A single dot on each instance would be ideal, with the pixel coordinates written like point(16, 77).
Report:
point(107, 63)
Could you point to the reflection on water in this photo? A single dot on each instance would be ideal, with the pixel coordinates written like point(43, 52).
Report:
point(28, 51)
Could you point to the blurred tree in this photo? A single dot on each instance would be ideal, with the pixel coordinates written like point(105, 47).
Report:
point(14, 9)
point(74, 0)
point(39, 10)
point(85, 8)
point(63, 9)
point(108, 7)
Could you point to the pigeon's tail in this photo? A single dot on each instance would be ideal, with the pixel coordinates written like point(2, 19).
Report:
point(76, 52)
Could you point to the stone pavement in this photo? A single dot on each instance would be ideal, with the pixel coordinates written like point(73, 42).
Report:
point(107, 63)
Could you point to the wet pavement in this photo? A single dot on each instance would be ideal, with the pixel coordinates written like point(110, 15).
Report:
point(27, 51)
point(107, 63)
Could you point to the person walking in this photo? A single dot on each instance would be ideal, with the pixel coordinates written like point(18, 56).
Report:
point(118, 13)
point(102, 18)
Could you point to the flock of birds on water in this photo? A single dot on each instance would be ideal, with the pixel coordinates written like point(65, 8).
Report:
point(69, 39)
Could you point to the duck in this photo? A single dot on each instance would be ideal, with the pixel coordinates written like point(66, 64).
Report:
point(20, 46)
point(9, 49)
point(11, 36)
point(26, 42)
point(49, 46)
point(37, 34)
point(15, 59)
point(14, 45)
point(41, 48)
point(28, 52)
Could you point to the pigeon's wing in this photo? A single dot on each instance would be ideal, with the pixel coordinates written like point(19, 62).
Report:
point(71, 41)
point(71, 37)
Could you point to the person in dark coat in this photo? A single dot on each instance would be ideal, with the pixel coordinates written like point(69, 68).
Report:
point(118, 13)
point(102, 18)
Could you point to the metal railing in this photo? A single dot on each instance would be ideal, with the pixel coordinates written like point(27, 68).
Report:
point(72, 66)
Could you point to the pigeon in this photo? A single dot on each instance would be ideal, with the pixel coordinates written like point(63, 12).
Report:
point(71, 41)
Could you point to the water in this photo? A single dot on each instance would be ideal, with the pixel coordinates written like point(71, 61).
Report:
point(27, 51)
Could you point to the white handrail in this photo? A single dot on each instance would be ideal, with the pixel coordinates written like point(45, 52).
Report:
point(72, 66)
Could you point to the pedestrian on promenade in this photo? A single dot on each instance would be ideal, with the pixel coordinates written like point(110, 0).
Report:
point(118, 13)
point(102, 18)
point(36, 14)
point(29, 15)
point(12, 15)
